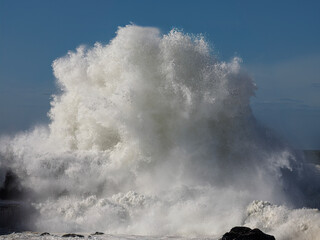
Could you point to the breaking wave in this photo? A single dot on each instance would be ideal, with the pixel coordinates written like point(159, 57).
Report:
point(152, 134)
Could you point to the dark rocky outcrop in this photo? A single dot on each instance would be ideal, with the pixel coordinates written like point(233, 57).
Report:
point(17, 214)
point(11, 188)
point(245, 233)
point(45, 234)
point(97, 233)
point(73, 235)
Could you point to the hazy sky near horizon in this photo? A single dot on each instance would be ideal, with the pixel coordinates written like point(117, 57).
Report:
point(277, 40)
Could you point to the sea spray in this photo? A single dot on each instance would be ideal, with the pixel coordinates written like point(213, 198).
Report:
point(151, 134)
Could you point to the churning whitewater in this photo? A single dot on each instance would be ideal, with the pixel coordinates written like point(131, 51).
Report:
point(151, 134)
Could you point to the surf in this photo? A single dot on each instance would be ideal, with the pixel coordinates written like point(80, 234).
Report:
point(152, 134)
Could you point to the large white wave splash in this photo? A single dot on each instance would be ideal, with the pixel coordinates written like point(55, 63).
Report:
point(151, 134)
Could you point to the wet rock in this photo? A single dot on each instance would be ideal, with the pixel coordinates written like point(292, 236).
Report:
point(16, 216)
point(72, 235)
point(11, 189)
point(45, 234)
point(98, 233)
point(245, 233)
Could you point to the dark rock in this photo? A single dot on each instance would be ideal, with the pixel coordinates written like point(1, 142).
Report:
point(16, 216)
point(11, 189)
point(245, 233)
point(45, 234)
point(98, 233)
point(72, 235)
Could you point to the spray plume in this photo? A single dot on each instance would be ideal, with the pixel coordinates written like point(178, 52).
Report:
point(152, 134)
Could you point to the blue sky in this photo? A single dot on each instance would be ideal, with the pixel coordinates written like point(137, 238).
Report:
point(277, 40)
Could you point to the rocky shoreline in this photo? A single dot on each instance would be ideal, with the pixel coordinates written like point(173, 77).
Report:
point(86, 236)
point(236, 233)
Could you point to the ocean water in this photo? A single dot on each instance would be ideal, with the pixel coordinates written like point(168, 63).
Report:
point(152, 135)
